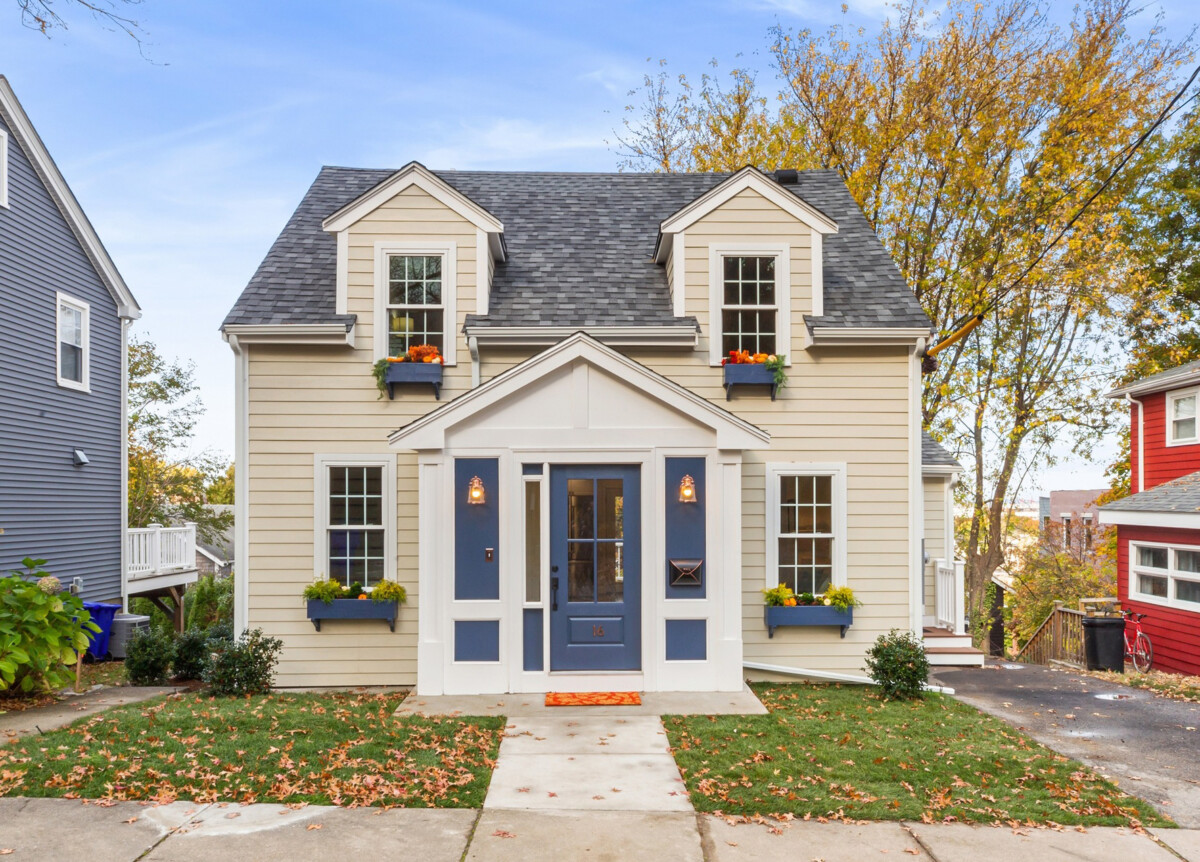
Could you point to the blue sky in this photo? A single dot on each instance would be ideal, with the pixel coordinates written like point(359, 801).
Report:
point(189, 163)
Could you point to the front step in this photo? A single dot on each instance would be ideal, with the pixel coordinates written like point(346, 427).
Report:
point(954, 656)
point(935, 637)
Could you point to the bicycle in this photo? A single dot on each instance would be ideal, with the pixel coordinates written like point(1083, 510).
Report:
point(1139, 651)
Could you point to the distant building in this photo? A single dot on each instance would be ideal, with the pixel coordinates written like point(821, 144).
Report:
point(1072, 514)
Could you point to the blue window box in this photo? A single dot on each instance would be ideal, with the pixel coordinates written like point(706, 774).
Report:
point(755, 374)
point(806, 615)
point(352, 609)
point(414, 372)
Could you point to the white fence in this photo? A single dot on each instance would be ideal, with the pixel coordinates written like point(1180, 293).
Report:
point(158, 550)
point(951, 596)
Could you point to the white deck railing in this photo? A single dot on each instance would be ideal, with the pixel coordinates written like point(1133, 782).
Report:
point(158, 550)
point(951, 596)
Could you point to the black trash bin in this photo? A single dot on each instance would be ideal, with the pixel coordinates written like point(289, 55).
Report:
point(1104, 643)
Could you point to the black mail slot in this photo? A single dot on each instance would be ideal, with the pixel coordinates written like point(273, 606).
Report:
point(685, 573)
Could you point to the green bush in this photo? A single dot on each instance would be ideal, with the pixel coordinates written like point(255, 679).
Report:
point(191, 654)
point(245, 666)
point(898, 664)
point(218, 634)
point(148, 657)
point(324, 591)
point(209, 602)
point(159, 621)
point(42, 631)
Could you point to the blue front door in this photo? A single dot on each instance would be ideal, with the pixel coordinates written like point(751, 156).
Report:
point(595, 571)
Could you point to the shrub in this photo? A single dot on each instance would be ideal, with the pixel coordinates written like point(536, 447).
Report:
point(245, 666)
point(159, 621)
point(42, 632)
point(220, 633)
point(191, 654)
point(209, 601)
point(148, 657)
point(898, 665)
point(841, 598)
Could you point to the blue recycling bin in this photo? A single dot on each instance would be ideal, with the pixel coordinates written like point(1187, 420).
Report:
point(102, 615)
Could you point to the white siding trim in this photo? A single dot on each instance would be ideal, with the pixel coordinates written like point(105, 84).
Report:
point(124, 462)
point(84, 384)
point(343, 272)
point(321, 465)
point(1178, 520)
point(483, 272)
point(3, 169)
point(679, 274)
point(816, 245)
point(241, 486)
point(916, 497)
point(449, 253)
point(1171, 574)
point(776, 470)
point(782, 252)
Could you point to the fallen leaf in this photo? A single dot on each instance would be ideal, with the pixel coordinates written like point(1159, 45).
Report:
point(551, 793)
point(6, 851)
point(130, 820)
point(310, 827)
point(503, 833)
point(232, 814)
point(912, 851)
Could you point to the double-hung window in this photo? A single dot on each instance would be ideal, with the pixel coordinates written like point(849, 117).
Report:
point(356, 530)
point(73, 349)
point(415, 307)
point(749, 310)
point(807, 549)
point(1181, 417)
point(1165, 574)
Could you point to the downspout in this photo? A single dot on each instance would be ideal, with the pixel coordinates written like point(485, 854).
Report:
point(473, 347)
point(125, 322)
point(1141, 442)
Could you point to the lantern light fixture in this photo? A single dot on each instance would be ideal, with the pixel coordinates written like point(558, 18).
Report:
point(476, 493)
point(687, 490)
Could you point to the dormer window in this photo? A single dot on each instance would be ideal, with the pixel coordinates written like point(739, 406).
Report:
point(415, 309)
point(1181, 418)
point(415, 297)
point(750, 293)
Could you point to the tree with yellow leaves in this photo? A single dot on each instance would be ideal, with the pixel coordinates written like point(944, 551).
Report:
point(981, 141)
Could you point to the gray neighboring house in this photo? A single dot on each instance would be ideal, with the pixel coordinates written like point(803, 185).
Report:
point(62, 373)
point(217, 557)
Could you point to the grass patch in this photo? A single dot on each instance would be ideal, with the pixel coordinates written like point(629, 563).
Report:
point(102, 673)
point(843, 752)
point(1173, 685)
point(331, 749)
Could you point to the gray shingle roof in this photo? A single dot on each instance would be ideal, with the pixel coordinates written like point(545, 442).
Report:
point(1180, 495)
point(934, 454)
point(579, 251)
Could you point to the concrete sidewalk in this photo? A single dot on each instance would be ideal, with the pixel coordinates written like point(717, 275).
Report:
point(18, 723)
point(52, 829)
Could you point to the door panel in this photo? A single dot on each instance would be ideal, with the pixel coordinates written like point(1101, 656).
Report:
point(595, 556)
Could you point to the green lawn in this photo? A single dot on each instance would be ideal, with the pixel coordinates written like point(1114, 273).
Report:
point(339, 749)
point(843, 752)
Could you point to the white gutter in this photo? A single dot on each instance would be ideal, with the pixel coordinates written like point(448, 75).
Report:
point(849, 336)
point(290, 333)
point(241, 485)
point(124, 556)
point(1141, 442)
point(473, 348)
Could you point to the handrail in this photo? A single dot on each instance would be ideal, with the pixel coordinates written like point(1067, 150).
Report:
point(157, 550)
point(1059, 638)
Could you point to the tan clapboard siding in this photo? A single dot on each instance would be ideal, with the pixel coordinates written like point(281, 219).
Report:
point(935, 537)
point(844, 405)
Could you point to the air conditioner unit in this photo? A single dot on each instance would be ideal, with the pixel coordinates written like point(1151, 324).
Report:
point(123, 628)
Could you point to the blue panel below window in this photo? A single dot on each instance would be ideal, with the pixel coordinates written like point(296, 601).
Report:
point(686, 640)
point(532, 639)
point(477, 640)
point(531, 469)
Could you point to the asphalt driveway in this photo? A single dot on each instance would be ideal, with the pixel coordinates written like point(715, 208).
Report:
point(1149, 745)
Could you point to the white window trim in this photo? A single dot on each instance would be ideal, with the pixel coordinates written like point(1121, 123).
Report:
point(782, 253)
point(61, 299)
point(1170, 573)
point(3, 169)
point(449, 254)
point(838, 473)
point(321, 465)
point(1172, 397)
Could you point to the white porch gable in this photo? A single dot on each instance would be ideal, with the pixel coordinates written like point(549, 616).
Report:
point(577, 406)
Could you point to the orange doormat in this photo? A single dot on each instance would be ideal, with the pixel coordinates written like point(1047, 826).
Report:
point(593, 698)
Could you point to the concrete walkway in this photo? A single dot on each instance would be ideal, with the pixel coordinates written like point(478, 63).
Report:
point(15, 724)
point(1146, 744)
point(51, 829)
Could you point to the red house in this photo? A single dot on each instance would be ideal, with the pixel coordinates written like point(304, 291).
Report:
point(1158, 526)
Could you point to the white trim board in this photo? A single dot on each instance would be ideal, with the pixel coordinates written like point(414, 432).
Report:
point(84, 383)
point(620, 336)
point(3, 169)
point(290, 333)
point(27, 137)
point(1172, 520)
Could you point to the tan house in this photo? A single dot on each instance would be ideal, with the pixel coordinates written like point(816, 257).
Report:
point(582, 497)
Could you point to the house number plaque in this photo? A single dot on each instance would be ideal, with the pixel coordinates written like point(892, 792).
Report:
point(598, 631)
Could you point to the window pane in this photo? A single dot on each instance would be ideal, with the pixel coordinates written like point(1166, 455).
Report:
point(1152, 585)
point(1184, 429)
point(807, 489)
point(731, 268)
point(611, 508)
point(824, 519)
point(71, 362)
point(396, 268)
point(823, 489)
point(608, 587)
point(533, 542)
point(823, 552)
point(70, 328)
point(787, 552)
point(1185, 407)
point(1187, 561)
point(822, 579)
point(1187, 591)
point(804, 519)
point(580, 580)
point(580, 511)
point(1154, 558)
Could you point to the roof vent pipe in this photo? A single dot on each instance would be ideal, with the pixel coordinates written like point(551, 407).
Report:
point(787, 177)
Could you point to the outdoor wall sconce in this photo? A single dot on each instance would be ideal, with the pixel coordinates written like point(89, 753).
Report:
point(476, 495)
point(687, 490)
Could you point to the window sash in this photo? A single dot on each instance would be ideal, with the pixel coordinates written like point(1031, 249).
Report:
point(1170, 584)
point(1183, 418)
point(355, 532)
point(805, 524)
point(415, 308)
point(749, 325)
point(72, 338)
